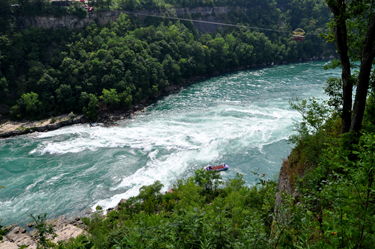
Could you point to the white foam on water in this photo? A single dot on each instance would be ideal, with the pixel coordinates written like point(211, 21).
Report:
point(153, 154)
point(40, 179)
point(74, 129)
point(55, 178)
point(197, 142)
point(205, 124)
point(182, 131)
point(166, 171)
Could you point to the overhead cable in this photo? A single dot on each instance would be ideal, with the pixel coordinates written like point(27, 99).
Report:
point(208, 22)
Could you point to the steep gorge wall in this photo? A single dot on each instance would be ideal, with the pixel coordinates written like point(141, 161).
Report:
point(103, 17)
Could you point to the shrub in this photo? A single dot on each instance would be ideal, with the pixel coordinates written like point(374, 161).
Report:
point(43, 231)
point(53, 120)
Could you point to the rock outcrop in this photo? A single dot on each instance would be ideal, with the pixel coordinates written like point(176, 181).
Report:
point(103, 17)
point(64, 229)
point(13, 128)
point(65, 233)
point(8, 245)
point(283, 183)
point(18, 237)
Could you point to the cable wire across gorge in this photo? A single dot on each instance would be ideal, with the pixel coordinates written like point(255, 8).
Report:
point(208, 22)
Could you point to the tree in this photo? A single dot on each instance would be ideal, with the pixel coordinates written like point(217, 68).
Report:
point(189, 194)
point(3, 231)
point(356, 45)
point(132, 4)
point(28, 105)
point(5, 15)
point(90, 111)
point(3, 85)
point(150, 192)
point(43, 230)
point(24, 5)
point(31, 102)
point(40, 6)
point(109, 2)
point(110, 97)
point(208, 180)
point(65, 97)
point(126, 99)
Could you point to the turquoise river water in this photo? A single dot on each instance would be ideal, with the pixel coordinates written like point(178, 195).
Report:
point(242, 119)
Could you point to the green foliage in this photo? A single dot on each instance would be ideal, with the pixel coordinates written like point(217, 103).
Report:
point(71, 115)
point(125, 99)
point(110, 97)
point(334, 91)
point(369, 119)
point(234, 218)
point(189, 195)
point(81, 242)
point(51, 72)
point(209, 181)
point(318, 125)
point(314, 114)
point(27, 106)
point(4, 85)
point(91, 110)
point(44, 231)
point(98, 228)
point(150, 192)
point(3, 231)
point(334, 180)
point(149, 206)
point(6, 17)
point(335, 208)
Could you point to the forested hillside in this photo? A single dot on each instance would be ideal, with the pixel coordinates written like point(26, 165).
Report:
point(100, 68)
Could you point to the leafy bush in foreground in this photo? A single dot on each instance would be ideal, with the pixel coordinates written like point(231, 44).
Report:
point(333, 205)
point(190, 216)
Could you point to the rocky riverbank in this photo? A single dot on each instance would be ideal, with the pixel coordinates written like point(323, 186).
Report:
point(13, 128)
point(64, 229)
point(10, 128)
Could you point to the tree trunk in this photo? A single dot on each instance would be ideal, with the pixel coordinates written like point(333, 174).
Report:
point(342, 47)
point(368, 55)
point(341, 34)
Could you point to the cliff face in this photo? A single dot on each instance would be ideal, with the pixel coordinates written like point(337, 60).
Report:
point(103, 17)
point(67, 21)
point(284, 182)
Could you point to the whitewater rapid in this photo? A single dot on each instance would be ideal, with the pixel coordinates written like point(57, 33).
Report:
point(242, 119)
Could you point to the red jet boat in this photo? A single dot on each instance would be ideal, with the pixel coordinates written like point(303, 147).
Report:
point(216, 168)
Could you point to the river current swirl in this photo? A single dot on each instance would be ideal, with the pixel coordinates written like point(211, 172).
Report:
point(242, 119)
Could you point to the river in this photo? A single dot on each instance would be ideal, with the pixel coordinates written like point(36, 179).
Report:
point(242, 119)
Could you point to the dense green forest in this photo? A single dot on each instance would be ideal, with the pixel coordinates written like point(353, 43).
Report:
point(104, 68)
